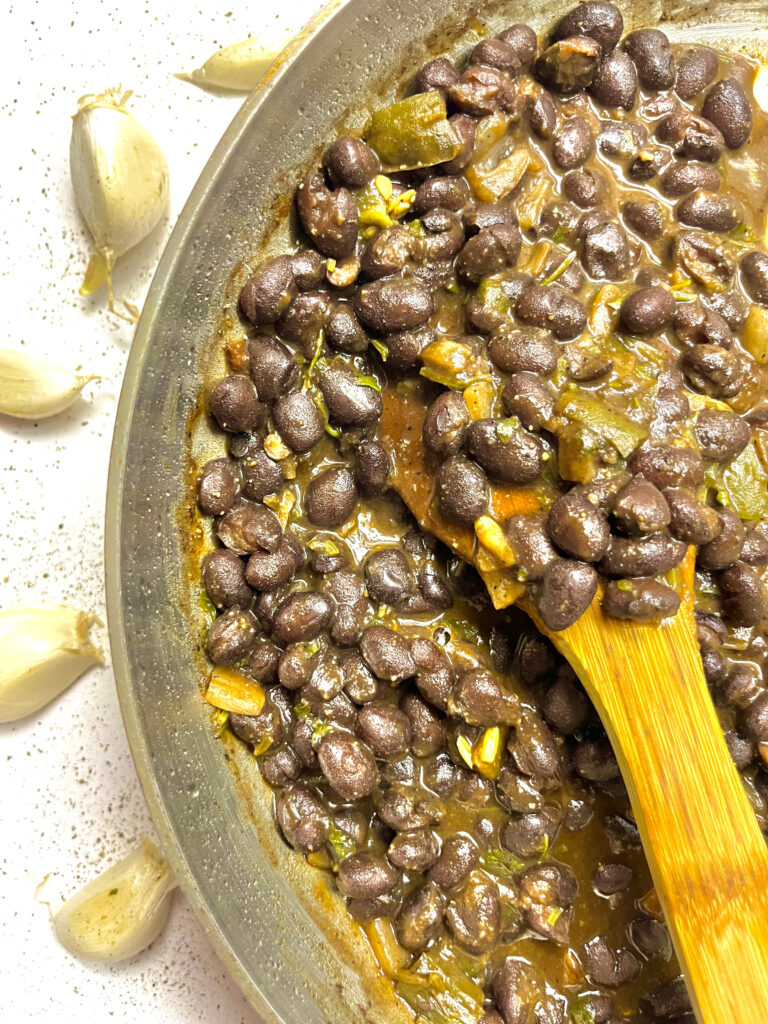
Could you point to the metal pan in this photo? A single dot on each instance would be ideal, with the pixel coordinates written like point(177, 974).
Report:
point(273, 921)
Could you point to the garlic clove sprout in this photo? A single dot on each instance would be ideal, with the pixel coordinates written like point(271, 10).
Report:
point(32, 389)
point(42, 652)
point(120, 912)
point(240, 67)
point(120, 181)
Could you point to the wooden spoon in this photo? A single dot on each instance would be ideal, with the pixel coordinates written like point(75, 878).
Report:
point(706, 853)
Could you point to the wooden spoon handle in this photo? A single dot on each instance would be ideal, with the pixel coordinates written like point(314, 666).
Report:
point(707, 855)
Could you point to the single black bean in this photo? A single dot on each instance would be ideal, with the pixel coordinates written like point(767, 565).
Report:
point(268, 570)
point(427, 730)
point(594, 760)
point(727, 107)
point(388, 252)
point(755, 720)
point(615, 81)
point(269, 291)
point(598, 20)
point(329, 218)
point(477, 216)
point(605, 253)
point(668, 466)
point(569, 65)
point(542, 116)
point(645, 217)
point(439, 74)
point(523, 39)
point(404, 808)
point(308, 268)
point(532, 835)
point(709, 263)
point(621, 139)
point(394, 304)
point(231, 636)
point(695, 71)
point(490, 251)
point(519, 991)
point(573, 144)
point(691, 137)
point(740, 687)
point(350, 403)
point(640, 600)
point(302, 817)
point(224, 580)
point(640, 507)
point(351, 163)
point(647, 310)
point(745, 601)
point(671, 405)
point(218, 486)
point(462, 489)
point(721, 433)
point(480, 91)
point(578, 528)
point(513, 350)
point(642, 556)
point(280, 766)
point(480, 699)
point(754, 275)
point(298, 421)
point(254, 729)
point(387, 654)
point(709, 212)
point(607, 966)
point(295, 666)
point(648, 163)
point(414, 851)
point(609, 879)
point(385, 729)
point(301, 617)
point(371, 468)
point(445, 424)
point(551, 307)
point(496, 53)
point(306, 316)
point(474, 914)
point(434, 672)
point(263, 661)
point(549, 885)
point(714, 371)
point(691, 520)
point(388, 576)
point(250, 527)
point(565, 592)
point(584, 188)
point(363, 875)
point(348, 765)
point(530, 541)
point(535, 752)
point(741, 749)
point(444, 234)
point(272, 367)
point(755, 550)
point(235, 405)
point(513, 456)
point(649, 49)
point(565, 706)
point(683, 178)
point(421, 917)
point(651, 938)
point(343, 331)
point(528, 397)
point(458, 859)
point(360, 684)
point(331, 498)
point(261, 476)
point(725, 549)
point(669, 1000)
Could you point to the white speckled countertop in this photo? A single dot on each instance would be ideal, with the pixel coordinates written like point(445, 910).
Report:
point(71, 802)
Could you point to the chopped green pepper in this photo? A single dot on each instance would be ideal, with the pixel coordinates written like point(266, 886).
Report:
point(501, 863)
point(742, 483)
point(580, 1011)
point(623, 433)
point(450, 993)
point(414, 132)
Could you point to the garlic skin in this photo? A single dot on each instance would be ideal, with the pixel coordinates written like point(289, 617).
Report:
point(121, 911)
point(42, 652)
point(240, 67)
point(120, 180)
point(31, 389)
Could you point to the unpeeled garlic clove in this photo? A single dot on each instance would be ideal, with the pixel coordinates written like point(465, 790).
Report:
point(120, 181)
point(240, 67)
point(32, 389)
point(42, 652)
point(120, 912)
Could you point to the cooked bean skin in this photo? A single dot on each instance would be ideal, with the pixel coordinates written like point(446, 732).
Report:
point(249, 527)
point(331, 498)
point(268, 570)
point(438, 74)
point(574, 144)
point(553, 308)
point(642, 556)
point(726, 106)
point(640, 600)
point(722, 434)
point(474, 914)
point(301, 617)
point(387, 654)
point(565, 592)
point(302, 818)
point(682, 178)
point(329, 218)
point(578, 528)
point(218, 487)
point(348, 764)
point(709, 212)
point(745, 602)
point(462, 489)
point(726, 547)
point(514, 460)
point(298, 421)
point(691, 137)
point(224, 580)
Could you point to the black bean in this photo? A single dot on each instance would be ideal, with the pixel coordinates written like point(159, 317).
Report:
point(295, 666)
point(741, 749)
point(480, 699)
point(640, 507)
point(609, 879)
point(254, 729)
point(714, 371)
point(514, 456)
point(683, 178)
point(306, 316)
point(542, 116)
point(439, 74)
point(741, 685)
point(474, 914)
point(268, 570)
point(553, 308)
point(272, 367)
point(535, 752)
point(755, 720)
point(726, 106)
point(710, 212)
point(649, 49)
point(444, 234)
point(462, 489)
point(261, 476)
point(434, 672)
point(218, 486)
point(721, 433)
point(329, 218)
point(645, 217)
point(344, 331)
point(529, 398)
point(642, 556)
point(351, 163)
point(388, 576)
point(573, 144)
point(695, 71)
point(231, 636)
point(388, 251)
point(298, 421)
point(578, 528)
point(569, 65)
point(308, 268)
point(755, 550)
point(598, 20)
point(529, 539)
point(725, 549)
point(348, 765)
point(745, 601)
point(523, 39)
point(427, 731)
point(235, 405)
point(481, 90)
point(594, 760)
point(707, 262)
point(640, 600)
point(302, 617)
point(621, 139)
point(565, 592)
point(406, 808)
point(371, 468)
point(549, 885)
point(713, 663)
point(363, 875)
point(668, 466)
point(224, 580)
point(695, 325)
point(607, 966)
point(615, 81)
point(565, 707)
point(458, 859)
point(280, 766)
point(519, 992)
point(651, 938)
point(360, 684)
point(532, 835)
point(513, 350)
point(691, 137)
point(648, 163)
point(496, 53)
point(263, 661)
point(647, 310)
point(414, 851)
point(445, 424)
point(671, 405)
point(421, 918)
point(584, 188)
point(350, 404)
point(669, 999)
point(302, 818)
point(269, 291)
point(331, 498)
point(489, 252)
point(754, 275)
point(394, 304)
point(250, 527)
point(478, 216)
point(387, 654)
point(605, 253)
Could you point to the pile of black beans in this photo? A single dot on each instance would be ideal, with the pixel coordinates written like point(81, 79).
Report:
point(385, 668)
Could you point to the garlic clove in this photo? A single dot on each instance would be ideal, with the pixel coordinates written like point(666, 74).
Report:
point(42, 652)
point(240, 67)
point(120, 180)
point(31, 389)
point(120, 912)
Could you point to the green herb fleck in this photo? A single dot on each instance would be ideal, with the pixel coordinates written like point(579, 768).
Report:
point(341, 843)
point(507, 429)
point(625, 585)
point(366, 381)
point(501, 863)
point(381, 348)
point(560, 269)
point(323, 546)
point(580, 1011)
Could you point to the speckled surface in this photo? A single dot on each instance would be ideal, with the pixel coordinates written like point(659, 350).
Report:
point(71, 803)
